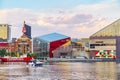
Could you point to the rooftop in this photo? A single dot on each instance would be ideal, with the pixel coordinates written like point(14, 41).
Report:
point(110, 31)
point(52, 37)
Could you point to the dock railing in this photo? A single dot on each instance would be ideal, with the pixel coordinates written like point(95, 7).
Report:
point(79, 60)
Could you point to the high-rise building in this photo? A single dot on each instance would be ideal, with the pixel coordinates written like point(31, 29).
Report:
point(4, 32)
point(28, 30)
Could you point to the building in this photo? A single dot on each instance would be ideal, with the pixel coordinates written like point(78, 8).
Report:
point(76, 47)
point(4, 45)
point(80, 47)
point(4, 32)
point(4, 36)
point(52, 45)
point(105, 42)
point(27, 29)
point(23, 44)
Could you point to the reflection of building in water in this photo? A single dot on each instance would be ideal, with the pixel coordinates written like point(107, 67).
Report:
point(52, 45)
point(118, 69)
point(15, 70)
point(3, 72)
point(61, 70)
point(105, 42)
point(106, 71)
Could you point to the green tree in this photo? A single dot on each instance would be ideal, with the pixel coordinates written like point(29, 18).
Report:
point(13, 54)
point(28, 55)
point(3, 52)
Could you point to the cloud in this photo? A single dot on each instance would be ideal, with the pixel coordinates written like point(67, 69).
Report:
point(106, 8)
point(2, 14)
point(15, 17)
point(64, 20)
point(77, 22)
point(18, 15)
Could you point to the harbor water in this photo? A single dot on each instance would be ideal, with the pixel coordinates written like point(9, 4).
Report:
point(60, 71)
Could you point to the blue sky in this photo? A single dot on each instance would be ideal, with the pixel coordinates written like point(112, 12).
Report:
point(74, 18)
point(43, 4)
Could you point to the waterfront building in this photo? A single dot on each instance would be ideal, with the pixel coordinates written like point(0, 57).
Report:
point(52, 45)
point(80, 47)
point(105, 42)
point(23, 44)
point(4, 36)
point(76, 47)
point(4, 45)
point(4, 32)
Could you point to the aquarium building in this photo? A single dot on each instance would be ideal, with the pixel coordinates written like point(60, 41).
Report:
point(106, 42)
point(52, 45)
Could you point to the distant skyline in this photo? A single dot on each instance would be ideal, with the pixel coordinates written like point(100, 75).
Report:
point(74, 18)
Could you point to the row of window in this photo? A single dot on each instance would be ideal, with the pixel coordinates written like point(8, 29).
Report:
point(97, 44)
point(93, 45)
point(102, 44)
point(3, 25)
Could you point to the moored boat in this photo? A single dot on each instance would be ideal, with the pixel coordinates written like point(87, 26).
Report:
point(15, 59)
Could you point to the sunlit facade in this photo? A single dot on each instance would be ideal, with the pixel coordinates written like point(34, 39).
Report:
point(103, 44)
point(4, 32)
point(110, 31)
point(23, 45)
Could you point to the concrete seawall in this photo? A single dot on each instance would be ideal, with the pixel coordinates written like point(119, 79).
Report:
point(80, 60)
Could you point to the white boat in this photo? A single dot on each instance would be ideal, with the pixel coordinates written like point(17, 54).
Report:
point(36, 63)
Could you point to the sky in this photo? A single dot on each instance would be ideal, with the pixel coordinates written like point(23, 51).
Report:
point(74, 18)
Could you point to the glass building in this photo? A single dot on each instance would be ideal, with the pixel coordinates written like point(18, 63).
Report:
point(52, 45)
point(106, 42)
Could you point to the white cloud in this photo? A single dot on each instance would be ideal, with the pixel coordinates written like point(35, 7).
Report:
point(80, 21)
point(107, 8)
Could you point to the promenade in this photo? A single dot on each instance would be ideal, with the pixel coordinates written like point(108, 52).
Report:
point(80, 60)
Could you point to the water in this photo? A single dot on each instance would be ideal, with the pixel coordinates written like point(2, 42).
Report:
point(61, 71)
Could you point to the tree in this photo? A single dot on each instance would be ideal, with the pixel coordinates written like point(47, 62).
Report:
point(3, 52)
point(13, 54)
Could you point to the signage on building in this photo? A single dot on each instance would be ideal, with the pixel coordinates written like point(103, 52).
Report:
point(99, 42)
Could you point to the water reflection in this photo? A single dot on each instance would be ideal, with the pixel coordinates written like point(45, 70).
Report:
point(118, 71)
point(106, 71)
point(61, 71)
